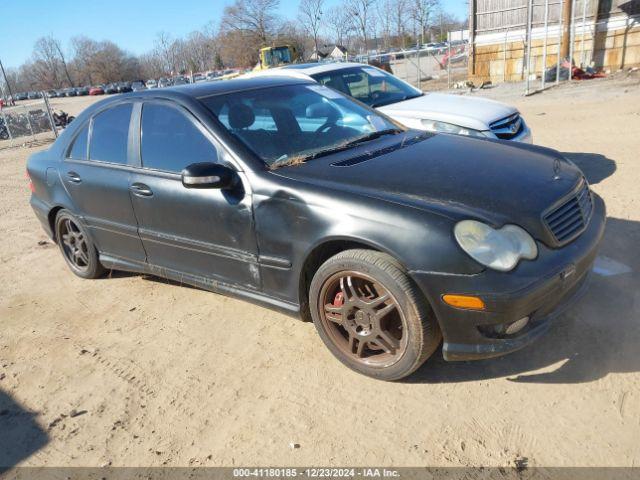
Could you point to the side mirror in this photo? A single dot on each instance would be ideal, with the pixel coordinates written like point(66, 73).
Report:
point(207, 175)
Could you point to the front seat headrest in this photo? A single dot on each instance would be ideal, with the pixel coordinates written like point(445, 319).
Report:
point(241, 116)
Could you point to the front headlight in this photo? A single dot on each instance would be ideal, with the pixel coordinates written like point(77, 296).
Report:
point(499, 249)
point(435, 126)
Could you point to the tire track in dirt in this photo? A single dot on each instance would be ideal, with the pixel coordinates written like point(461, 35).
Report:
point(126, 371)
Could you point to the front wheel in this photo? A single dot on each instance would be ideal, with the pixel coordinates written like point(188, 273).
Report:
point(76, 246)
point(371, 315)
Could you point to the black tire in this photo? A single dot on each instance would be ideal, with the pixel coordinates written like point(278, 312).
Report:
point(76, 246)
point(416, 331)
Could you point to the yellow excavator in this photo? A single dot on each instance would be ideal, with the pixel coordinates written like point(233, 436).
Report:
point(271, 57)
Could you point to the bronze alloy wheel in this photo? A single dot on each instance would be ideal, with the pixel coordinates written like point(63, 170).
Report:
point(363, 319)
point(74, 244)
point(371, 315)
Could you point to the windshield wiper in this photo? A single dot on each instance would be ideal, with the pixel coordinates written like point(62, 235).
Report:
point(373, 136)
point(285, 161)
point(354, 142)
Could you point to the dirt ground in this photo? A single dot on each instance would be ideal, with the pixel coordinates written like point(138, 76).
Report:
point(132, 370)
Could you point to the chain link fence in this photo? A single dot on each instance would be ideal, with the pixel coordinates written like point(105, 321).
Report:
point(433, 68)
point(26, 124)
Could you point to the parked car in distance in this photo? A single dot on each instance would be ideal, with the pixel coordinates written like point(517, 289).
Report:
point(164, 82)
point(22, 96)
point(97, 90)
point(52, 94)
point(70, 92)
point(438, 112)
point(388, 238)
point(138, 86)
point(176, 81)
point(82, 91)
point(123, 87)
point(111, 89)
point(151, 83)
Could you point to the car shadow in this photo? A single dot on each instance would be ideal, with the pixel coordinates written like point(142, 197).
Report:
point(115, 274)
point(595, 167)
point(20, 434)
point(597, 335)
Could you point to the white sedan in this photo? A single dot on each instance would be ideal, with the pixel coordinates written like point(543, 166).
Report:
point(435, 112)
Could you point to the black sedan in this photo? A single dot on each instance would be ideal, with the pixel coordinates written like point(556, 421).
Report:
point(124, 87)
point(289, 194)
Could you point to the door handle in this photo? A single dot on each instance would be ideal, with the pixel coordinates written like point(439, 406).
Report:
point(74, 177)
point(141, 190)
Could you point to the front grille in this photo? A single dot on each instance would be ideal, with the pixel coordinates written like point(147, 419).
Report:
point(570, 218)
point(507, 128)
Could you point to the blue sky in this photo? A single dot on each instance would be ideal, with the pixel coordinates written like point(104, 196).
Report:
point(132, 24)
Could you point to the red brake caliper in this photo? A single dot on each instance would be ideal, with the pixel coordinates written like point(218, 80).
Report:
point(338, 300)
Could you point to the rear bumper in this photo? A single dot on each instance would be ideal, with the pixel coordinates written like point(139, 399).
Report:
point(539, 289)
point(42, 209)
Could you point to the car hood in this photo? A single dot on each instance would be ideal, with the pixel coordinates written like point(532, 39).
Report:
point(458, 177)
point(468, 112)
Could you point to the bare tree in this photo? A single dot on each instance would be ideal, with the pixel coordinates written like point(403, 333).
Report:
point(199, 50)
point(421, 12)
point(84, 51)
point(151, 66)
point(50, 66)
point(386, 20)
point(256, 17)
point(310, 14)
point(291, 33)
point(400, 14)
point(361, 12)
point(237, 49)
point(340, 26)
point(165, 49)
point(247, 25)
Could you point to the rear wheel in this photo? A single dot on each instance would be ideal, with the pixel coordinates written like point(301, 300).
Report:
point(76, 246)
point(371, 315)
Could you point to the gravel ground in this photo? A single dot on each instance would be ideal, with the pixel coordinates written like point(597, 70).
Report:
point(133, 370)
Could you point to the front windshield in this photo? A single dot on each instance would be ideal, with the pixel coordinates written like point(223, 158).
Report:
point(370, 85)
point(293, 123)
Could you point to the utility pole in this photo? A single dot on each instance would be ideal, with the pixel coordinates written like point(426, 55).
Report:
point(472, 34)
point(4, 75)
point(566, 28)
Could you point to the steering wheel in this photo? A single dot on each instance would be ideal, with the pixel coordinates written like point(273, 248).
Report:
point(376, 95)
point(325, 127)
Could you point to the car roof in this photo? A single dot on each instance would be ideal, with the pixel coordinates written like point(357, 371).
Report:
point(313, 68)
point(305, 70)
point(200, 90)
point(197, 91)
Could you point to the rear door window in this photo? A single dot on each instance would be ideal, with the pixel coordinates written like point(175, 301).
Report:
point(110, 135)
point(78, 150)
point(171, 141)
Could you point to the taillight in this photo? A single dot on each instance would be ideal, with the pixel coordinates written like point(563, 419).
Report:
point(31, 187)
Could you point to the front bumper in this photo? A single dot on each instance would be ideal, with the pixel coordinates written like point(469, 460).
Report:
point(538, 289)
